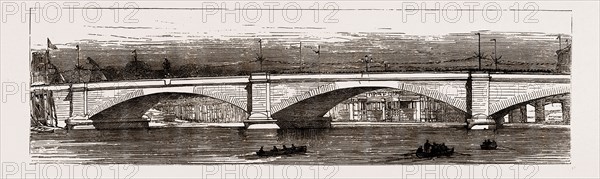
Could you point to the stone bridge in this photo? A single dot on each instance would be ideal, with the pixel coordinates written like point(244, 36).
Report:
point(484, 97)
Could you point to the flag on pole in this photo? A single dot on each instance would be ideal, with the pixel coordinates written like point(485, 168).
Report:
point(50, 45)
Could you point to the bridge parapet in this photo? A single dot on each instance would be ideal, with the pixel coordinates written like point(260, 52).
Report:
point(370, 77)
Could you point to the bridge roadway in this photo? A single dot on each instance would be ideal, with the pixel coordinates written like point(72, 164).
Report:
point(284, 99)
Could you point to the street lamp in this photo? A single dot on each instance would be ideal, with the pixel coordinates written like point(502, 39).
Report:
point(259, 57)
point(479, 45)
point(495, 58)
point(301, 60)
point(78, 67)
point(260, 46)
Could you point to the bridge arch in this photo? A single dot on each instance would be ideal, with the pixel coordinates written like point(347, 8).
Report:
point(139, 93)
point(538, 94)
point(348, 89)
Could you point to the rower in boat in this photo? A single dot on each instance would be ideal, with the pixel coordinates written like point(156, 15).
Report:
point(436, 150)
point(260, 151)
point(427, 146)
point(420, 149)
point(489, 145)
point(285, 151)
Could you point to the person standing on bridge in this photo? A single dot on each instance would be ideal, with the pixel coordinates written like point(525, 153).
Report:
point(134, 54)
point(167, 67)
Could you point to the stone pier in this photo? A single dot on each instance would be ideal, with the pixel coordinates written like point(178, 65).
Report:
point(259, 103)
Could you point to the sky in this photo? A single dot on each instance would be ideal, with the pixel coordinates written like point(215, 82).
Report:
point(180, 29)
point(181, 21)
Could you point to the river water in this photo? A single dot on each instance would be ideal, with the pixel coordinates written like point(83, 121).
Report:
point(339, 145)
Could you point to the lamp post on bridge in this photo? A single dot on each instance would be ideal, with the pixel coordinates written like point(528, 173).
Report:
point(479, 46)
point(496, 59)
point(77, 67)
point(301, 60)
point(259, 57)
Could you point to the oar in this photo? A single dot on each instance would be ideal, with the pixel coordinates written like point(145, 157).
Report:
point(390, 159)
point(507, 148)
point(406, 154)
point(462, 153)
point(394, 159)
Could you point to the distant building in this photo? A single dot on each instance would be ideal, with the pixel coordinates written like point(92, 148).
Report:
point(394, 106)
point(553, 112)
point(202, 110)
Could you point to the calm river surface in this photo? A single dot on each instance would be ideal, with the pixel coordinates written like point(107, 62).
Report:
point(340, 145)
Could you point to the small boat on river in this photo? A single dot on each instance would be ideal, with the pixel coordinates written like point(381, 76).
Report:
point(488, 145)
point(446, 153)
point(434, 150)
point(285, 151)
